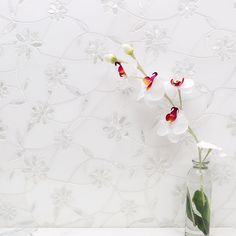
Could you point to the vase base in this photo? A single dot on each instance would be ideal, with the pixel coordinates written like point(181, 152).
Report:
point(189, 232)
point(194, 234)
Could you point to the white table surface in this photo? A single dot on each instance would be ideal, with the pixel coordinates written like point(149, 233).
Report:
point(109, 232)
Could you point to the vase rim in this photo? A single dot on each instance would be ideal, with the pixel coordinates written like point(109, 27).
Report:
point(198, 162)
point(197, 165)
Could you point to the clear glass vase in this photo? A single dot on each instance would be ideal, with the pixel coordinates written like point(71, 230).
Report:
point(198, 199)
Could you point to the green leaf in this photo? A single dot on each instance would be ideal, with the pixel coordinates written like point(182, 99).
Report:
point(202, 205)
point(201, 225)
point(189, 208)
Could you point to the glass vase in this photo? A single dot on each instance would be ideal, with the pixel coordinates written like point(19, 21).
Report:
point(198, 199)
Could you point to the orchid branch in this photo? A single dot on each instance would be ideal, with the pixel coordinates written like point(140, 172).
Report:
point(129, 50)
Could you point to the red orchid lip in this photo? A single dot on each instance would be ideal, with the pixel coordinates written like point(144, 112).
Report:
point(171, 117)
point(149, 80)
point(120, 69)
point(177, 83)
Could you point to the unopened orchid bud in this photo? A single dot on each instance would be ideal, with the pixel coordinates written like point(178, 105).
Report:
point(129, 50)
point(111, 58)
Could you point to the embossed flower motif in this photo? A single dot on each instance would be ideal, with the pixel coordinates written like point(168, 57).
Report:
point(129, 208)
point(156, 165)
point(180, 192)
point(26, 42)
point(232, 124)
point(3, 89)
point(126, 87)
point(7, 211)
point(112, 5)
point(41, 113)
point(225, 47)
point(95, 50)
point(187, 7)
point(101, 177)
point(151, 88)
point(173, 125)
point(57, 10)
point(116, 127)
point(183, 69)
point(186, 139)
point(222, 173)
point(56, 74)
point(3, 129)
point(63, 138)
point(156, 40)
point(35, 169)
point(61, 197)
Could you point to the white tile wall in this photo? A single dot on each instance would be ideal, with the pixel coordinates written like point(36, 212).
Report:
point(77, 149)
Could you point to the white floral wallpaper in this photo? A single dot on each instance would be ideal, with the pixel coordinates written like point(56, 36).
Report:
point(77, 149)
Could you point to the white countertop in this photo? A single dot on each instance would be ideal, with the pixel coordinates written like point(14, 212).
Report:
point(109, 232)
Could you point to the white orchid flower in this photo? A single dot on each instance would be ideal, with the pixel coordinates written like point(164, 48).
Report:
point(209, 146)
point(184, 85)
point(151, 89)
point(173, 125)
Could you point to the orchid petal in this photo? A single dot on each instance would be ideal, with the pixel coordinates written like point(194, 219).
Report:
point(162, 128)
point(188, 83)
point(206, 145)
point(141, 95)
point(156, 92)
point(177, 83)
point(180, 125)
point(121, 70)
point(142, 92)
point(171, 117)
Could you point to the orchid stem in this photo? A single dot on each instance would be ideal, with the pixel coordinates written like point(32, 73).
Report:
point(199, 157)
point(169, 100)
point(190, 130)
point(180, 100)
point(208, 153)
point(139, 67)
point(193, 134)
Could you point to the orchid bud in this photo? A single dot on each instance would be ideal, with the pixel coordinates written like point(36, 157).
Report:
point(111, 58)
point(128, 49)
